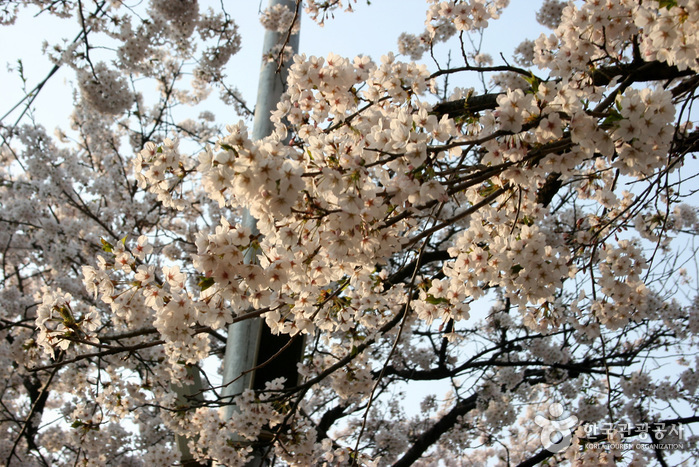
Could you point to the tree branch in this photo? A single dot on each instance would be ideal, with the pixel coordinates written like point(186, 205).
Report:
point(431, 435)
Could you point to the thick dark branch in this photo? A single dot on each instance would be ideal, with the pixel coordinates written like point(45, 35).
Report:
point(432, 434)
point(644, 71)
point(639, 72)
point(37, 407)
point(441, 362)
point(328, 419)
point(588, 366)
point(483, 69)
point(407, 270)
point(467, 106)
point(546, 193)
point(539, 457)
point(687, 144)
point(351, 356)
point(38, 397)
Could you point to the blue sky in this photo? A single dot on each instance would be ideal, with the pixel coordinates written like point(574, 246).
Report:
point(370, 30)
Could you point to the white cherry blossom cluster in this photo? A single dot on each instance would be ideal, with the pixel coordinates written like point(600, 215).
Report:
point(690, 380)
point(549, 14)
point(176, 10)
point(576, 40)
point(105, 90)
point(221, 260)
point(669, 32)
point(59, 324)
point(644, 134)
point(160, 169)
point(139, 296)
point(445, 19)
point(518, 262)
point(637, 384)
point(465, 15)
point(181, 15)
point(155, 43)
point(580, 39)
point(685, 217)
point(256, 414)
point(413, 46)
point(524, 53)
point(279, 18)
point(215, 57)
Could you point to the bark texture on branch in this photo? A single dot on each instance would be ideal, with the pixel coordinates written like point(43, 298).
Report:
point(639, 72)
point(431, 435)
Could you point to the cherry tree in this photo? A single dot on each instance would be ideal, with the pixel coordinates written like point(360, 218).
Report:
point(525, 245)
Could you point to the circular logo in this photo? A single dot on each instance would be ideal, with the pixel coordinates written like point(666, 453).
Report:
point(556, 435)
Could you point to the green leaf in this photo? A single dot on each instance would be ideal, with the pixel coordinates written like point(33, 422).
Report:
point(227, 147)
point(667, 3)
point(67, 315)
point(487, 189)
point(533, 82)
point(526, 220)
point(612, 118)
point(106, 246)
point(436, 301)
point(206, 282)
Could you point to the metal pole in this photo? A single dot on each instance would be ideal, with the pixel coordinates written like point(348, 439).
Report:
point(243, 337)
point(187, 394)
